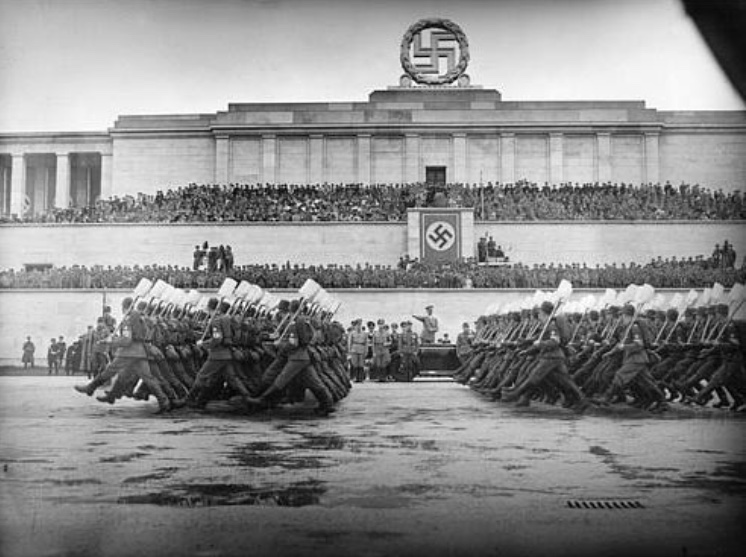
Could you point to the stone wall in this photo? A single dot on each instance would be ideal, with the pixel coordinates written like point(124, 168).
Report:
point(44, 314)
point(711, 159)
point(147, 164)
point(353, 243)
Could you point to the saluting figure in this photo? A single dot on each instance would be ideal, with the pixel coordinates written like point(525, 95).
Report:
point(429, 325)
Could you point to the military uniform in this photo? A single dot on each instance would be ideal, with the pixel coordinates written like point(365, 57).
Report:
point(357, 350)
point(130, 361)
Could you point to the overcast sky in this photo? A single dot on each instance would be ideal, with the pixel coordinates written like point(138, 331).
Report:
point(69, 65)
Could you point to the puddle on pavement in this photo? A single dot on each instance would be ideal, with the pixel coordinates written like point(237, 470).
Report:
point(267, 455)
point(123, 458)
point(299, 494)
point(160, 474)
point(71, 481)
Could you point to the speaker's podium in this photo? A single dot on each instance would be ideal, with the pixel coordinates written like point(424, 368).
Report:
point(440, 235)
point(438, 360)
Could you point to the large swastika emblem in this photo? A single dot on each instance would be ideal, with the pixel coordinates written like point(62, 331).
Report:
point(440, 236)
point(443, 44)
point(429, 41)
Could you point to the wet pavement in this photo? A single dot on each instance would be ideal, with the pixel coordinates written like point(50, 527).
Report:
point(401, 469)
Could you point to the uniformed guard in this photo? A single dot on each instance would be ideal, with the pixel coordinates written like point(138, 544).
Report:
point(357, 348)
point(409, 347)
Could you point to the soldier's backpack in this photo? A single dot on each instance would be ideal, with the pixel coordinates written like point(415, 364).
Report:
point(564, 328)
point(647, 331)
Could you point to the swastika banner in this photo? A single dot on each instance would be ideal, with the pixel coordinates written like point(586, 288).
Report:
point(440, 236)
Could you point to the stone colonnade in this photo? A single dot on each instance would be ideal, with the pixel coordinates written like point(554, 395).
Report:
point(19, 162)
point(603, 161)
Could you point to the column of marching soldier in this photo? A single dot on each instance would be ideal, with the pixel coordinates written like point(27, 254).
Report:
point(626, 347)
point(244, 345)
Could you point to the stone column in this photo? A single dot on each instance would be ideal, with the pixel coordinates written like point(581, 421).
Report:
point(603, 161)
point(107, 184)
point(316, 159)
point(269, 158)
point(363, 158)
point(222, 159)
point(411, 157)
point(652, 157)
point(18, 185)
point(62, 183)
point(556, 158)
point(507, 158)
point(459, 158)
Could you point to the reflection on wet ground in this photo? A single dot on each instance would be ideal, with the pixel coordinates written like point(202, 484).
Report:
point(299, 494)
point(438, 452)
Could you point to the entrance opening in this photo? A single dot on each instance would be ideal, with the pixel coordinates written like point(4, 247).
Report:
point(41, 181)
point(435, 175)
point(435, 178)
point(85, 179)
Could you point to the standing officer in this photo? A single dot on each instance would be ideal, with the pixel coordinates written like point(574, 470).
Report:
point(28, 353)
point(357, 348)
point(463, 343)
point(409, 346)
point(52, 358)
point(429, 325)
point(61, 351)
point(381, 356)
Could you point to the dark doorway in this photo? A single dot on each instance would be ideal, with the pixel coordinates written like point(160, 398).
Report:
point(41, 178)
point(85, 179)
point(435, 175)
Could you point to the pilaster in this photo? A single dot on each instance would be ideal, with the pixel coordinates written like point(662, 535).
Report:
point(412, 158)
point(652, 157)
point(316, 158)
point(603, 161)
point(222, 159)
point(269, 158)
point(507, 158)
point(556, 158)
point(459, 158)
point(363, 158)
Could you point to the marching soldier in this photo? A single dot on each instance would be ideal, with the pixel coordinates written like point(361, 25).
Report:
point(218, 367)
point(130, 360)
point(635, 362)
point(295, 353)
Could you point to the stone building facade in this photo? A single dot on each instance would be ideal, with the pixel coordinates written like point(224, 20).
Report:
point(401, 134)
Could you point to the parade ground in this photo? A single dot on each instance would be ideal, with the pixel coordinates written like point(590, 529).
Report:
point(426, 468)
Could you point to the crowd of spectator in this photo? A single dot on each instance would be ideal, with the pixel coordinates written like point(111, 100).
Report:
point(692, 272)
point(522, 201)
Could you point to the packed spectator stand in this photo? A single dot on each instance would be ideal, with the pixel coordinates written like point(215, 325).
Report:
point(661, 273)
point(522, 201)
